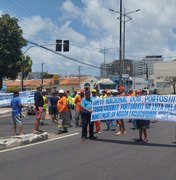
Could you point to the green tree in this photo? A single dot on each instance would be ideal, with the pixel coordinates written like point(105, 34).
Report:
point(11, 43)
point(26, 65)
point(172, 81)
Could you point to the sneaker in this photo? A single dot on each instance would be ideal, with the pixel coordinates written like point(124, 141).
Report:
point(118, 133)
point(124, 132)
point(36, 132)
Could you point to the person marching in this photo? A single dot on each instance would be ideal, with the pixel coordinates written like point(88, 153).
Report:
point(97, 123)
point(53, 107)
point(70, 106)
point(63, 112)
point(77, 102)
point(86, 105)
point(16, 113)
point(44, 108)
point(121, 91)
point(38, 103)
point(142, 125)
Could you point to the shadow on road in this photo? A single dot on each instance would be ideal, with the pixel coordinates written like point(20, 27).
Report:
point(135, 143)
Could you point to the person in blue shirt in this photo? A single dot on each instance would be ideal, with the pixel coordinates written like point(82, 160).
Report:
point(16, 113)
point(86, 110)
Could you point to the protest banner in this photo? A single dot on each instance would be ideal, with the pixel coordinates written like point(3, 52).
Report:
point(27, 97)
point(150, 107)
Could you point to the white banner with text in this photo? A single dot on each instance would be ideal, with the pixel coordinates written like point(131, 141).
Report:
point(27, 97)
point(150, 107)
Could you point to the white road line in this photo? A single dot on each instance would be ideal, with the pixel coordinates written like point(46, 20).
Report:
point(41, 142)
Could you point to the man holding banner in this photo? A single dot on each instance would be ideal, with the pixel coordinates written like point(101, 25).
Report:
point(121, 92)
point(86, 105)
point(142, 124)
point(145, 107)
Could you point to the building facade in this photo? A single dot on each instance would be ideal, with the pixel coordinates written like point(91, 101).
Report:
point(145, 67)
point(116, 67)
point(162, 71)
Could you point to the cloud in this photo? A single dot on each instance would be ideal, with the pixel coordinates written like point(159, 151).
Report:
point(70, 10)
point(91, 27)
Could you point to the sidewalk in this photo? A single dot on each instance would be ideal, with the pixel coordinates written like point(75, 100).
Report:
point(5, 110)
point(13, 141)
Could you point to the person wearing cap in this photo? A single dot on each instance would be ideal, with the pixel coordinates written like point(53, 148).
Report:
point(63, 111)
point(86, 110)
point(77, 102)
point(97, 123)
point(121, 92)
point(38, 106)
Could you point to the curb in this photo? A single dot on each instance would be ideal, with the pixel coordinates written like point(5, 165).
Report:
point(20, 140)
point(5, 112)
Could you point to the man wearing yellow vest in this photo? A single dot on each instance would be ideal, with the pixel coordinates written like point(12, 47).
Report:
point(44, 108)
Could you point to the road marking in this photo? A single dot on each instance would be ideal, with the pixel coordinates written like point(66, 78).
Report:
point(41, 142)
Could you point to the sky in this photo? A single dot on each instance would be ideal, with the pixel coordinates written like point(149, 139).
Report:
point(93, 31)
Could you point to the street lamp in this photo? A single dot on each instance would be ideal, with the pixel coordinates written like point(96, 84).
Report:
point(124, 20)
point(22, 67)
point(120, 36)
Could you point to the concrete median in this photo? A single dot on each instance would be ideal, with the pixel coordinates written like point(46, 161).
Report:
point(14, 141)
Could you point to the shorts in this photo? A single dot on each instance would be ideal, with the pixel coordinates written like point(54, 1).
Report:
point(17, 119)
point(38, 114)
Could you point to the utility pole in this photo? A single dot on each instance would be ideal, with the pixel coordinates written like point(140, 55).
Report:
point(79, 75)
point(42, 73)
point(105, 73)
point(120, 41)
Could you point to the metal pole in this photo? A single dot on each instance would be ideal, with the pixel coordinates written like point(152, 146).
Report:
point(42, 74)
point(79, 70)
point(123, 70)
point(104, 64)
point(22, 74)
point(120, 41)
point(134, 75)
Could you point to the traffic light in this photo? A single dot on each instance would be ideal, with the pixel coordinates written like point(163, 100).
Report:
point(58, 45)
point(66, 45)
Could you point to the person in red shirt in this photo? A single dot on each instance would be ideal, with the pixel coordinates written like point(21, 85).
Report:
point(77, 102)
point(63, 112)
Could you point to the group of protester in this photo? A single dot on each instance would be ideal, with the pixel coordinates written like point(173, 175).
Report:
point(60, 107)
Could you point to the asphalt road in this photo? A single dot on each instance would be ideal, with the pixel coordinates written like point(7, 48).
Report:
point(109, 157)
